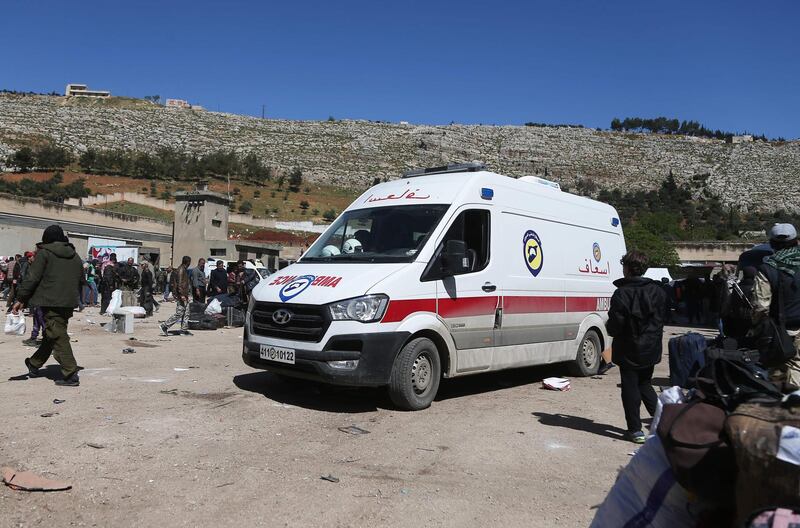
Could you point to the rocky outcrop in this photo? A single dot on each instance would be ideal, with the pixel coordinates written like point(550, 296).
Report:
point(750, 175)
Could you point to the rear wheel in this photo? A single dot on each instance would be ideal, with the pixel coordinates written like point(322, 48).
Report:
point(587, 360)
point(415, 375)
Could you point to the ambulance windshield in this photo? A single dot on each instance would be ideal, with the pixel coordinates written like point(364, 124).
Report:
point(379, 234)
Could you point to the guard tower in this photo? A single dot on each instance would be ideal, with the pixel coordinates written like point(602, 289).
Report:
point(201, 224)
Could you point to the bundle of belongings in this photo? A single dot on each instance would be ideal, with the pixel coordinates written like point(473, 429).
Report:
point(219, 311)
point(724, 453)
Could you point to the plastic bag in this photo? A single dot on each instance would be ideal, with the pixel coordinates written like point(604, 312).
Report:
point(670, 395)
point(646, 494)
point(15, 324)
point(214, 307)
point(115, 303)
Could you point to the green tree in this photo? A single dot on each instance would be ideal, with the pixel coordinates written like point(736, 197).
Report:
point(245, 207)
point(295, 180)
point(52, 157)
point(329, 215)
point(88, 160)
point(304, 205)
point(22, 159)
point(659, 252)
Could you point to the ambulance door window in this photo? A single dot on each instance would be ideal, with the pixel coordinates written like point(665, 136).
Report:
point(472, 227)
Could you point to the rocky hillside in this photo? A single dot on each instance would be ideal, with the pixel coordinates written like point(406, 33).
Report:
point(751, 175)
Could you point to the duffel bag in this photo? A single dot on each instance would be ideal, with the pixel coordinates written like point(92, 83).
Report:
point(764, 481)
point(693, 438)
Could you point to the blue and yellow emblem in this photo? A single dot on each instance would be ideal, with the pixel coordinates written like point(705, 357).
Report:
point(534, 257)
point(596, 253)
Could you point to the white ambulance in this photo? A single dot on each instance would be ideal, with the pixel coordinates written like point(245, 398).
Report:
point(446, 272)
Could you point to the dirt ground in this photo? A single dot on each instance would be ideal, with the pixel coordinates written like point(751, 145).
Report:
point(185, 434)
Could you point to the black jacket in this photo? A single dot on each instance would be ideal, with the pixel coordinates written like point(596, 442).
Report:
point(218, 280)
point(636, 322)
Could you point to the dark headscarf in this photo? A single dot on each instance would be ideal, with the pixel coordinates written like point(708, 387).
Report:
point(54, 233)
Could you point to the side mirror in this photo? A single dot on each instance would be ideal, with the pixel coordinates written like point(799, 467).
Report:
point(454, 258)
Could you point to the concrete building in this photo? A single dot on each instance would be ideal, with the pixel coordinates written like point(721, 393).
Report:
point(177, 103)
point(22, 221)
point(201, 230)
point(81, 90)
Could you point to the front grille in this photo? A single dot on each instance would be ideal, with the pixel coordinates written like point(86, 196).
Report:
point(309, 322)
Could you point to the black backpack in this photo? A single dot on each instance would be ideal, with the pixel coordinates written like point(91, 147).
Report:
point(731, 377)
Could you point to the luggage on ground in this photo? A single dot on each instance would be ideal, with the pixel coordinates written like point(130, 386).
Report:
point(686, 357)
point(647, 495)
point(694, 442)
point(755, 431)
point(775, 518)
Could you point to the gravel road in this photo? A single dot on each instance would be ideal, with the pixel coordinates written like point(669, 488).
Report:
point(182, 433)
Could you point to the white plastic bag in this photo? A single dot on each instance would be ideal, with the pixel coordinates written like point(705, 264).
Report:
point(646, 494)
point(115, 303)
point(668, 396)
point(15, 324)
point(214, 307)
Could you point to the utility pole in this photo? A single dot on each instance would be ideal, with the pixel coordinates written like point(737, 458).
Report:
point(262, 111)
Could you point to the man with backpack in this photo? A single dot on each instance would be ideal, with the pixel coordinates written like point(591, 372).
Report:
point(636, 321)
point(776, 306)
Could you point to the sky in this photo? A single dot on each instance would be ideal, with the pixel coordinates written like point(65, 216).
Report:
point(732, 65)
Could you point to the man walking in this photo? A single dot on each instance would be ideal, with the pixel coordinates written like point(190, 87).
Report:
point(53, 283)
point(111, 282)
point(199, 282)
point(779, 279)
point(146, 291)
point(636, 321)
point(179, 284)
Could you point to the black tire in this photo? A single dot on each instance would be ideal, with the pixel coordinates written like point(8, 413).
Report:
point(415, 377)
point(587, 360)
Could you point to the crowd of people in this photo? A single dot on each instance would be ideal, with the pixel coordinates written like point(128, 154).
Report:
point(51, 280)
point(758, 303)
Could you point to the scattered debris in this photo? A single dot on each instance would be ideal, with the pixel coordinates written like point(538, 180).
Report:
point(377, 495)
point(27, 481)
point(96, 446)
point(330, 478)
point(180, 369)
point(174, 392)
point(521, 432)
point(132, 341)
point(128, 350)
point(349, 460)
point(405, 491)
point(353, 430)
point(226, 484)
point(557, 384)
point(48, 414)
point(426, 449)
point(597, 377)
point(57, 401)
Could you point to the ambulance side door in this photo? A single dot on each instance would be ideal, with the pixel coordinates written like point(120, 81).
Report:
point(468, 292)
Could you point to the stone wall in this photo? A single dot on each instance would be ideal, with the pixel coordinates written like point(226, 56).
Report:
point(754, 175)
point(237, 218)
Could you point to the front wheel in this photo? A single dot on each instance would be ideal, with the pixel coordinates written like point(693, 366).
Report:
point(415, 375)
point(587, 360)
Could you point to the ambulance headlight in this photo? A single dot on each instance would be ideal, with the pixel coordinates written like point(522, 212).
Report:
point(366, 309)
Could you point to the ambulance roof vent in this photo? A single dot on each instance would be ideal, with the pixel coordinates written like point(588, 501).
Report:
point(540, 181)
point(445, 169)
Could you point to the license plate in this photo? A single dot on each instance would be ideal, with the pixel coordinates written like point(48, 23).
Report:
point(273, 353)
